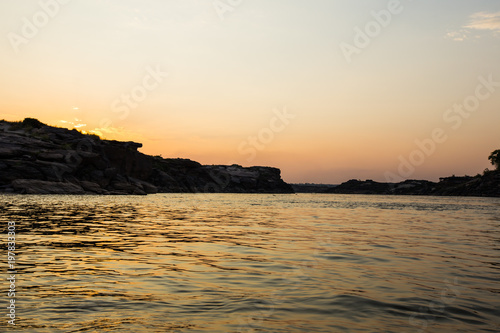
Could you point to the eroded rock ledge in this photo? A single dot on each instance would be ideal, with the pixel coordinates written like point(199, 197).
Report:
point(40, 159)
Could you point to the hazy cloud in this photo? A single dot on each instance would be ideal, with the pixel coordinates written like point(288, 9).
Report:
point(458, 36)
point(478, 22)
point(485, 21)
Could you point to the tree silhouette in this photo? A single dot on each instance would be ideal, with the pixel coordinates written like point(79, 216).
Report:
point(495, 158)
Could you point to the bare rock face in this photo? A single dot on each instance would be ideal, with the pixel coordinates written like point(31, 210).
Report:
point(52, 156)
point(91, 187)
point(39, 159)
point(31, 186)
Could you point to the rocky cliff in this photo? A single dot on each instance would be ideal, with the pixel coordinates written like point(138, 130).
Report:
point(40, 159)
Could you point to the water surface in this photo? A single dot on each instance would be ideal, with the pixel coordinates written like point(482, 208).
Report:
point(254, 263)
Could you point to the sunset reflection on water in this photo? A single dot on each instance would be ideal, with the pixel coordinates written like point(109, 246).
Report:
point(280, 263)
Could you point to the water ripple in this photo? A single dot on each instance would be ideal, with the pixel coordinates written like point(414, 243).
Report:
point(241, 263)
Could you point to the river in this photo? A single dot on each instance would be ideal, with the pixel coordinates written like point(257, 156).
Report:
point(252, 263)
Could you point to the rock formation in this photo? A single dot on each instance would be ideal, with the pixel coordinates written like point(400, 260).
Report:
point(40, 159)
point(487, 185)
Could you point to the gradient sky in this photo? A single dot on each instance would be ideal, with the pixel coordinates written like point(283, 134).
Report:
point(233, 68)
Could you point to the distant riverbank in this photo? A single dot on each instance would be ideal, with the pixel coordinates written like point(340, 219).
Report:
point(485, 185)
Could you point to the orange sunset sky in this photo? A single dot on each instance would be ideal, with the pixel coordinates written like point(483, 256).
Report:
point(325, 90)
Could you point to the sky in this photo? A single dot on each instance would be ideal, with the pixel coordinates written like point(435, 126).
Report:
point(325, 90)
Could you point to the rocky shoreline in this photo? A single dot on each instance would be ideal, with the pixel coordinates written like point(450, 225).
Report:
point(39, 159)
point(486, 185)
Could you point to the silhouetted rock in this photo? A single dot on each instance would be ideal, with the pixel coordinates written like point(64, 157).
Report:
point(91, 187)
point(40, 159)
point(31, 186)
point(354, 186)
point(485, 185)
point(312, 188)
